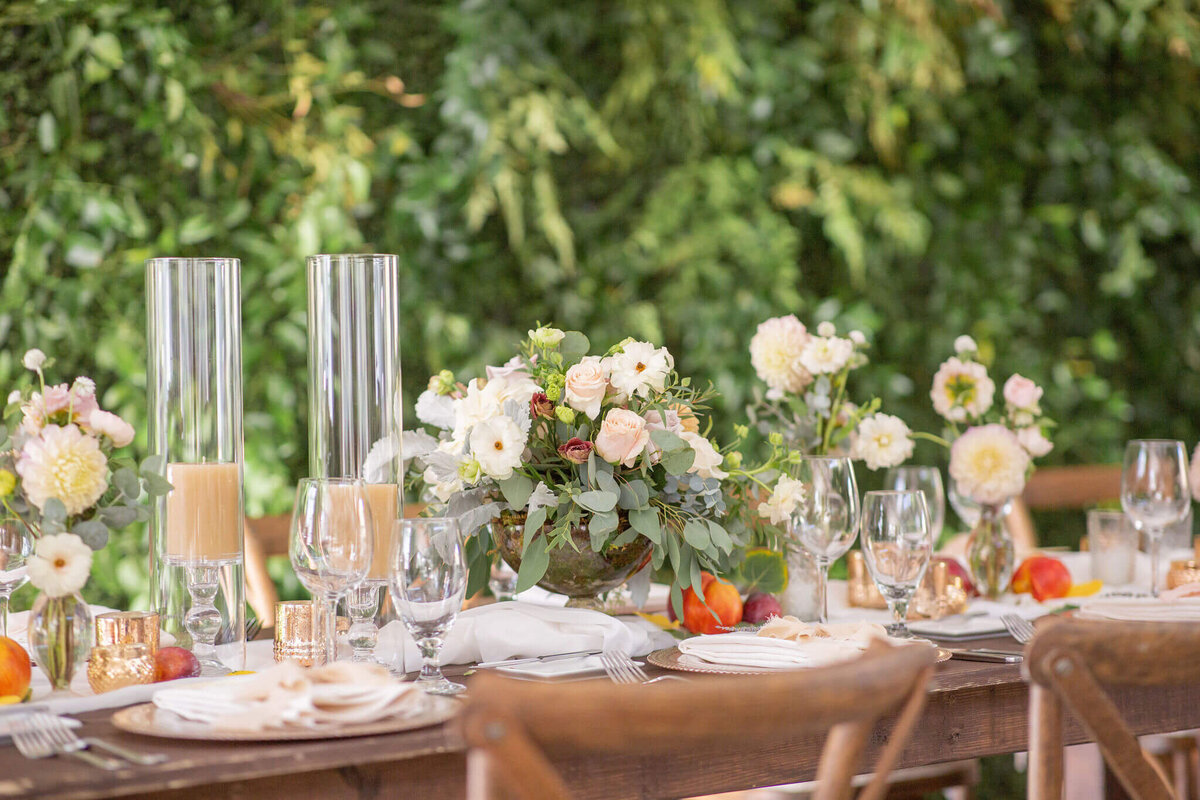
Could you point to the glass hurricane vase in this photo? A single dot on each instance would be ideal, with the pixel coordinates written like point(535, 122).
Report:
point(60, 635)
point(990, 551)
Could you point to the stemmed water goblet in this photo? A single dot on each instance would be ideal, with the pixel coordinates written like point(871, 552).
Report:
point(929, 480)
point(897, 542)
point(825, 520)
point(331, 545)
point(428, 582)
point(16, 546)
point(1154, 491)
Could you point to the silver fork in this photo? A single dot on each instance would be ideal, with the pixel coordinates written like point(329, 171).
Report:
point(620, 668)
point(1018, 627)
point(57, 726)
point(36, 738)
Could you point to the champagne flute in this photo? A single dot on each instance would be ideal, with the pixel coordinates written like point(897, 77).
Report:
point(1154, 491)
point(825, 520)
point(15, 548)
point(428, 582)
point(331, 545)
point(929, 481)
point(897, 541)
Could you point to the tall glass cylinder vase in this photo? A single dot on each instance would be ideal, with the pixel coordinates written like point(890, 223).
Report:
point(194, 383)
point(355, 408)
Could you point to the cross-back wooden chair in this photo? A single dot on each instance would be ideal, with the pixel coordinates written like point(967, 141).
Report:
point(1069, 662)
point(1059, 489)
point(515, 728)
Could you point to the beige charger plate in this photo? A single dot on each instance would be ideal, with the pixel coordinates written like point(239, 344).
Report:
point(671, 658)
point(149, 720)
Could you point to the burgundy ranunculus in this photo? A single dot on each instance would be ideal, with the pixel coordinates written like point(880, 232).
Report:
point(576, 450)
point(540, 406)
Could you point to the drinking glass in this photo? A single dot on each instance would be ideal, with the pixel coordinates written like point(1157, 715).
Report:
point(428, 582)
point(1113, 544)
point(16, 546)
point(331, 545)
point(825, 521)
point(1154, 491)
point(928, 480)
point(897, 541)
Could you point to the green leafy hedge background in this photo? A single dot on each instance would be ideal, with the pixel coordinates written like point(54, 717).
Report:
point(677, 171)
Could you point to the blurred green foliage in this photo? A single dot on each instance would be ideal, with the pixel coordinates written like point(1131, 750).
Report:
point(676, 171)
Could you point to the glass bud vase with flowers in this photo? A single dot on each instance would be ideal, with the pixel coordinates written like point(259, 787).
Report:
point(60, 624)
point(991, 453)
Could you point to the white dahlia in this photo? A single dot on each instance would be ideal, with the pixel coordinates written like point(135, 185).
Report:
point(826, 355)
point(62, 462)
point(775, 353)
point(989, 464)
point(961, 389)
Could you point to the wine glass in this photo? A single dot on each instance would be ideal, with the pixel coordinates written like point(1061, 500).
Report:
point(331, 545)
point(15, 548)
point(897, 541)
point(428, 582)
point(929, 481)
point(1154, 491)
point(825, 520)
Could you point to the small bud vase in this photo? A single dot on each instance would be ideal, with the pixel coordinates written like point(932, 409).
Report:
point(990, 552)
point(60, 635)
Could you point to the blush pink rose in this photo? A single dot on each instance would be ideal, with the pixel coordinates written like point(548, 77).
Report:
point(1020, 392)
point(586, 384)
point(105, 423)
point(622, 437)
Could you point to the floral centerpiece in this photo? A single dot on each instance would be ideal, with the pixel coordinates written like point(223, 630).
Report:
point(579, 469)
point(61, 483)
point(992, 448)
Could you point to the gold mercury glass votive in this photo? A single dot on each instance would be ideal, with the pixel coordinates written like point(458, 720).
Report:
point(295, 633)
point(128, 627)
point(1182, 572)
point(116, 666)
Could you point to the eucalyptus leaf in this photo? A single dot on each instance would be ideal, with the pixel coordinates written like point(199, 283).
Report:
point(118, 516)
point(533, 524)
point(645, 521)
point(679, 462)
point(574, 346)
point(625, 537)
point(720, 537)
point(695, 533)
point(533, 564)
point(53, 526)
point(155, 485)
point(634, 494)
point(127, 483)
point(154, 465)
point(639, 587)
point(667, 441)
point(516, 490)
point(607, 483)
point(597, 501)
point(53, 510)
point(600, 526)
point(93, 532)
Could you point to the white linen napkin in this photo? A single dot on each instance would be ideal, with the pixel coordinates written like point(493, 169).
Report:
point(290, 696)
point(516, 629)
point(739, 649)
point(1146, 609)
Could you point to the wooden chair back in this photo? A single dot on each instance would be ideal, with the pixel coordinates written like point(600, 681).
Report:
point(1059, 489)
point(515, 728)
point(1069, 662)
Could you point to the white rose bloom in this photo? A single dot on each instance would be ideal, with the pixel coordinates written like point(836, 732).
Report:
point(708, 460)
point(882, 441)
point(989, 464)
point(639, 369)
point(436, 409)
point(826, 355)
point(586, 384)
point(481, 403)
point(826, 329)
point(965, 344)
point(34, 359)
point(62, 462)
point(105, 423)
point(497, 444)
point(1034, 441)
point(775, 354)
point(784, 500)
point(61, 565)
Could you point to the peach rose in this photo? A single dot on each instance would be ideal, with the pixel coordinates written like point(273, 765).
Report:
point(586, 383)
point(622, 437)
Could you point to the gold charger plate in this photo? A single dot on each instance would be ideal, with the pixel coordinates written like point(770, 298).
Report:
point(149, 720)
point(671, 658)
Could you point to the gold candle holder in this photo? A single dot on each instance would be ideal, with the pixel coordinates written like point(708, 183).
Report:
point(863, 592)
point(295, 633)
point(939, 595)
point(116, 666)
point(128, 627)
point(1187, 571)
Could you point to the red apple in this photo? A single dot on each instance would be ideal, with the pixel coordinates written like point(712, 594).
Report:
point(172, 663)
point(955, 567)
point(760, 607)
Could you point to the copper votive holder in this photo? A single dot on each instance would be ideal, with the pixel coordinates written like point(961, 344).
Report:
point(939, 595)
point(296, 633)
point(1187, 571)
point(128, 627)
point(116, 666)
point(863, 592)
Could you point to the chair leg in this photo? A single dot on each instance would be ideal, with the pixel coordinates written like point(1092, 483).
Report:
point(1045, 745)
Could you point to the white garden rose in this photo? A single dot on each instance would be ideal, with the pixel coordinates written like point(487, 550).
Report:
point(988, 464)
point(497, 444)
point(105, 423)
point(961, 389)
point(882, 441)
point(826, 355)
point(785, 498)
point(586, 384)
point(622, 437)
point(62, 462)
point(1034, 441)
point(639, 369)
point(61, 565)
point(775, 354)
point(708, 461)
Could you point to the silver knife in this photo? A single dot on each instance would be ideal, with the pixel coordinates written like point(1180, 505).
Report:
point(533, 659)
point(990, 656)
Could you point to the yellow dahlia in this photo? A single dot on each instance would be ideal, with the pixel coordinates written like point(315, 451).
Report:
point(62, 462)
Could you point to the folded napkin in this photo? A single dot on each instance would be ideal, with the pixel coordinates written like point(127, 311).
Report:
point(784, 643)
point(1143, 610)
point(290, 696)
point(516, 629)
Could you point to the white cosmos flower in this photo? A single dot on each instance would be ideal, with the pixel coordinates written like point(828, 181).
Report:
point(826, 355)
point(497, 443)
point(989, 464)
point(61, 565)
point(775, 354)
point(883, 440)
point(784, 499)
point(639, 369)
point(62, 462)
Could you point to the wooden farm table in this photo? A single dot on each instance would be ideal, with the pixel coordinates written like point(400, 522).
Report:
point(974, 710)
